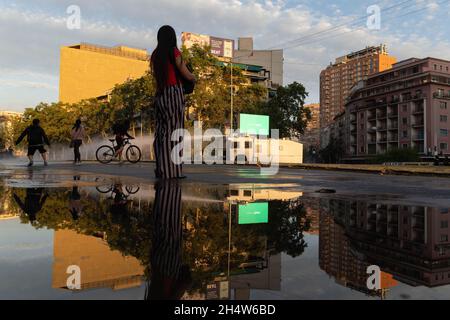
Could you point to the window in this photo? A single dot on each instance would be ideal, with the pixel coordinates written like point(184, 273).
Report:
point(361, 149)
point(443, 105)
point(236, 145)
point(405, 108)
point(248, 144)
point(443, 118)
point(444, 133)
point(444, 210)
point(405, 134)
point(405, 146)
point(234, 192)
point(247, 193)
point(444, 224)
point(443, 146)
point(405, 121)
point(444, 238)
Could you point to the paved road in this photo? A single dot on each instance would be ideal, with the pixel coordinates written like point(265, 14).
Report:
point(431, 190)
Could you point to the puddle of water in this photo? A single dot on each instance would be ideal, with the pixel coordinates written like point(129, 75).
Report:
point(197, 241)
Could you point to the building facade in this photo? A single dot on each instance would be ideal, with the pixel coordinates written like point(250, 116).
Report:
point(410, 242)
point(91, 71)
point(338, 78)
point(269, 60)
point(404, 107)
point(311, 138)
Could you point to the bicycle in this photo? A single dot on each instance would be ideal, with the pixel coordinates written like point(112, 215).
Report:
point(130, 189)
point(105, 154)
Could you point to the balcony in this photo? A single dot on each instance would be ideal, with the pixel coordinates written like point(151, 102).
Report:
point(382, 128)
point(393, 138)
point(419, 137)
point(381, 116)
point(441, 95)
point(418, 110)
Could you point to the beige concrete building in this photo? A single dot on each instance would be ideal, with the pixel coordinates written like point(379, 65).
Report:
point(100, 266)
point(91, 71)
point(338, 78)
point(270, 60)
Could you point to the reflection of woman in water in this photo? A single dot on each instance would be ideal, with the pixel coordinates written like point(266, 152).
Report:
point(75, 201)
point(169, 278)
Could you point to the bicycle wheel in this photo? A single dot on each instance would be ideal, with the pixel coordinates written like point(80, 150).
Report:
point(133, 154)
point(104, 189)
point(105, 154)
point(132, 189)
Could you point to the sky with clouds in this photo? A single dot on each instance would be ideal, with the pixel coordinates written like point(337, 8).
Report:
point(32, 32)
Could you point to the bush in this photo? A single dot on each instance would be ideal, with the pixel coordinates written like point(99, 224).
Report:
point(398, 155)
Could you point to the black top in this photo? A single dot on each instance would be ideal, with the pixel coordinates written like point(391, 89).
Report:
point(35, 136)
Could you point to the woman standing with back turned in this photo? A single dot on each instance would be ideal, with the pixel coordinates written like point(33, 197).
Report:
point(168, 68)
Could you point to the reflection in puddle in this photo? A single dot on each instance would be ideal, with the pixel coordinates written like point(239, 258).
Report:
point(248, 241)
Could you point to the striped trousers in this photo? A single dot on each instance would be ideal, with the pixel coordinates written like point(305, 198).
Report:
point(167, 240)
point(169, 108)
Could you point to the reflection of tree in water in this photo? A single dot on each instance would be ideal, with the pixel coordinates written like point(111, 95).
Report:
point(205, 231)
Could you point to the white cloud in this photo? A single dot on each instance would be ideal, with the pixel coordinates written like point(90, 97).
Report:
point(33, 35)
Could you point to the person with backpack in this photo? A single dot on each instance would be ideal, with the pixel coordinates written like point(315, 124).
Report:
point(36, 138)
point(120, 130)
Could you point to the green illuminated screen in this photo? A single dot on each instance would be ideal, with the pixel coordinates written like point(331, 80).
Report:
point(253, 213)
point(254, 124)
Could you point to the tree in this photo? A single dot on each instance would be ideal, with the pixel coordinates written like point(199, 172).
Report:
point(211, 100)
point(333, 152)
point(287, 110)
point(134, 98)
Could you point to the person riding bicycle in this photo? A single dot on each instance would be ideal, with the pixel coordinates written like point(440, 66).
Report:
point(120, 130)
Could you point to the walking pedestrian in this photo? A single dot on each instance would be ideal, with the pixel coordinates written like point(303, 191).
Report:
point(77, 134)
point(36, 138)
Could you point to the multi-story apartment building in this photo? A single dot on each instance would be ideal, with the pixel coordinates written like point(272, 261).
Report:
point(91, 71)
point(311, 137)
point(404, 107)
point(338, 78)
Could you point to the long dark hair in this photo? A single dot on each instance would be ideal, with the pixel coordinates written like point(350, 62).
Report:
point(163, 55)
point(77, 125)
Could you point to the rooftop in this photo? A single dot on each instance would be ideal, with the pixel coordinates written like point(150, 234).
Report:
point(119, 50)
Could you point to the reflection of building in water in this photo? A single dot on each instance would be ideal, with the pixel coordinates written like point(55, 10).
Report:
point(100, 266)
point(312, 208)
point(337, 259)
point(268, 278)
point(411, 242)
point(254, 192)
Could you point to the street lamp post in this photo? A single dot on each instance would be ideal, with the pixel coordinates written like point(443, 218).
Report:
point(231, 86)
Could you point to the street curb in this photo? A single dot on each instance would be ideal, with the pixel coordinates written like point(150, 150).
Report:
point(384, 170)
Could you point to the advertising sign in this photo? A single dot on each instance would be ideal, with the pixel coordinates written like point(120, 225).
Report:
point(253, 213)
point(253, 124)
point(219, 47)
